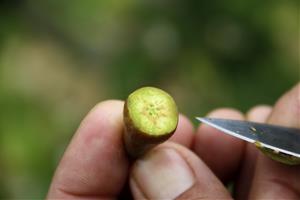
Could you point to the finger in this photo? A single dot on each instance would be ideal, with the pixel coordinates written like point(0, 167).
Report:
point(94, 156)
point(274, 180)
point(184, 133)
point(221, 152)
point(171, 171)
point(259, 113)
point(287, 109)
point(256, 114)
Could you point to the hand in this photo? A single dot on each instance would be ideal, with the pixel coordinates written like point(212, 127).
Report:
point(189, 166)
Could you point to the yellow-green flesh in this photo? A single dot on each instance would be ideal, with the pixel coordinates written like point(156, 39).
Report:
point(152, 111)
point(280, 157)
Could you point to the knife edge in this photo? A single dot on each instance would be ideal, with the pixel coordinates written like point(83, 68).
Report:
point(256, 142)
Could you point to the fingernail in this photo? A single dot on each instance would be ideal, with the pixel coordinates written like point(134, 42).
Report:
point(163, 174)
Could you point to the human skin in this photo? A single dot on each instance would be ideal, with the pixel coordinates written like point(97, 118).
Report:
point(195, 164)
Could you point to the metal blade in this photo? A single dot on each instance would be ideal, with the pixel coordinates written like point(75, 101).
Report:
point(278, 138)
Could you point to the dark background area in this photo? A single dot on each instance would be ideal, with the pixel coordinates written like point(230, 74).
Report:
point(59, 58)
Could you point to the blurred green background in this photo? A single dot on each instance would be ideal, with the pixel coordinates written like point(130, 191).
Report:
point(59, 58)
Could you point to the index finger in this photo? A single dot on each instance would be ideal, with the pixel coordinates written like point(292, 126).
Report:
point(94, 156)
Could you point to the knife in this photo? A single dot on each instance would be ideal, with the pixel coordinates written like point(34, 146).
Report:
point(278, 138)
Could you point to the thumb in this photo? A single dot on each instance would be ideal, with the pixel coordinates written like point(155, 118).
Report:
point(171, 171)
point(273, 180)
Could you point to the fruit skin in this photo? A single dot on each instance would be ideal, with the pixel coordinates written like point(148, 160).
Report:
point(138, 139)
point(280, 157)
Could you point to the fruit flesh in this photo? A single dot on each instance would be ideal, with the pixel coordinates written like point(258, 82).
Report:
point(152, 111)
point(150, 117)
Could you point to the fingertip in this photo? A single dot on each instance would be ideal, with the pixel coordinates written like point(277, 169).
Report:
point(286, 111)
point(213, 146)
point(105, 113)
point(259, 113)
point(226, 113)
point(112, 109)
point(105, 106)
point(184, 133)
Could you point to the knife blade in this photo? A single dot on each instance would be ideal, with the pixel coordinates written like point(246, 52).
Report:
point(278, 138)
